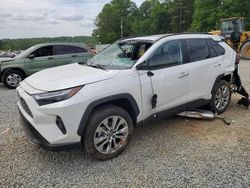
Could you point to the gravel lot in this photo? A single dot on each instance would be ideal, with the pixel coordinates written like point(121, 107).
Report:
point(177, 152)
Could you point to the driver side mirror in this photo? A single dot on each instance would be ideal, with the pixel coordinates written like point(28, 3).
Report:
point(31, 56)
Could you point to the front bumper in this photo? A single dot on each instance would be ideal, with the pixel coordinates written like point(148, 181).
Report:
point(36, 138)
point(40, 122)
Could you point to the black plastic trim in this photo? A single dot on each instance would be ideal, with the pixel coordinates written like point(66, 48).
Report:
point(96, 103)
point(36, 138)
point(173, 111)
point(216, 82)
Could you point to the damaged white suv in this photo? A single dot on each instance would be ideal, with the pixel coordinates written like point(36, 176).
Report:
point(97, 104)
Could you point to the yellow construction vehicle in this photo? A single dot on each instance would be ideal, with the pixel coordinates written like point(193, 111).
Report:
point(233, 30)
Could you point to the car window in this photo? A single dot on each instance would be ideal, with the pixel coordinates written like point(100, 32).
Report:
point(169, 54)
point(68, 49)
point(43, 51)
point(198, 49)
point(214, 46)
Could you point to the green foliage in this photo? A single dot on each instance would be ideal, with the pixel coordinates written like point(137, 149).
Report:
point(182, 12)
point(113, 15)
point(21, 44)
point(207, 14)
point(152, 17)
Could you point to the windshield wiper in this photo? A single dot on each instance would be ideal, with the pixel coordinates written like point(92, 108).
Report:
point(96, 66)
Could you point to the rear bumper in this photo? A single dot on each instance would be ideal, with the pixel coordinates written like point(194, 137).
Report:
point(36, 138)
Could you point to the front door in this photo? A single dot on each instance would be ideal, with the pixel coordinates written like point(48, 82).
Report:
point(167, 77)
point(40, 59)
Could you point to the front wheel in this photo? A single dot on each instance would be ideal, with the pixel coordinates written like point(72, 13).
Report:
point(221, 97)
point(108, 132)
point(12, 78)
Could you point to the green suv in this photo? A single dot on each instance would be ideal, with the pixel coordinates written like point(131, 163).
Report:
point(39, 57)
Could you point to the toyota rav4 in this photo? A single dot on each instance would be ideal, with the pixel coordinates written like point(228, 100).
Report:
point(98, 103)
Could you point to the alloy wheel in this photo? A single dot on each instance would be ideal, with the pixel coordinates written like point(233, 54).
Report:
point(222, 97)
point(111, 135)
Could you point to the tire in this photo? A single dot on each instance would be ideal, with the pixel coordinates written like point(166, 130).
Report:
point(245, 51)
point(221, 97)
point(12, 78)
point(101, 143)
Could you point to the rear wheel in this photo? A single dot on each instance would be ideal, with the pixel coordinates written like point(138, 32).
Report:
point(108, 132)
point(12, 78)
point(221, 97)
point(245, 51)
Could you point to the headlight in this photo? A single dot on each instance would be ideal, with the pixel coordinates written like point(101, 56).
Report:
point(55, 96)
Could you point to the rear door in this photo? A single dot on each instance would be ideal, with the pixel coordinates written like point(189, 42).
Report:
point(66, 54)
point(42, 58)
point(205, 66)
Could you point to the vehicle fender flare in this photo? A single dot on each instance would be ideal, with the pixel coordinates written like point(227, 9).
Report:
point(216, 82)
point(12, 68)
point(105, 100)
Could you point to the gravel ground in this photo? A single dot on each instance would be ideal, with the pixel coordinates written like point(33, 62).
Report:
point(177, 152)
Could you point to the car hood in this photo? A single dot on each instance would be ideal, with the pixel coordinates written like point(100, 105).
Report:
point(7, 59)
point(67, 76)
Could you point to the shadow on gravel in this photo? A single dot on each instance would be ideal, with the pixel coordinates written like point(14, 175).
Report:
point(2, 87)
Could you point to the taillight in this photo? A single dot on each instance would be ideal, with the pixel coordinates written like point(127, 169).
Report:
point(237, 59)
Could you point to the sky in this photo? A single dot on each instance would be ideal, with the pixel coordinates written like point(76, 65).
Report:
point(49, 18)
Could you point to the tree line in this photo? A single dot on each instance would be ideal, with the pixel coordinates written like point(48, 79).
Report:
point(22, 44)
point(122, 18)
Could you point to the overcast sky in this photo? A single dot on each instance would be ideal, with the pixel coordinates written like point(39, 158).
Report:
point(49, 18)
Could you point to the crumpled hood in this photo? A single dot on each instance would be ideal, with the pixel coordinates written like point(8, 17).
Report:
point(67, 76)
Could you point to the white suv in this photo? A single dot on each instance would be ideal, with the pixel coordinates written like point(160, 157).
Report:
point(97, 104)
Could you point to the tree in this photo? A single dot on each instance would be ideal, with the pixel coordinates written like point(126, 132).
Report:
point(207, 14)
point(153, 17)
point(182, 13)
point(114, 15)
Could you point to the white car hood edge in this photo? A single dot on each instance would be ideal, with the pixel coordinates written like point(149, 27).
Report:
point(67, 76)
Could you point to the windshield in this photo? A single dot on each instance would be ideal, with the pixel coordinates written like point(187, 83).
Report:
point(232, 25)
point(121, 55)
point(25, 53)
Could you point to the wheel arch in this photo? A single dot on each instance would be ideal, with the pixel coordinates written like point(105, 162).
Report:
point(125, 101)
point(13, 68)
point(227, 78)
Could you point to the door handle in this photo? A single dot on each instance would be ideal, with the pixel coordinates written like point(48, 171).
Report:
point(183, 74)
point(50, 58)
point(217, 65)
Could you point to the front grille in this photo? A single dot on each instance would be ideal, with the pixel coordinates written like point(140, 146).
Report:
point(25, 107)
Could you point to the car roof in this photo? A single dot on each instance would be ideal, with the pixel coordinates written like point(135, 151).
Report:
point(62, 43)
point(154, 38)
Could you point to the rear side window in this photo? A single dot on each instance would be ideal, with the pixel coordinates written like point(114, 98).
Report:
point(215, 47)
point(67, 49)
point(198, 49)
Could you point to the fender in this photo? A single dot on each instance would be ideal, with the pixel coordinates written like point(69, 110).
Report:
point(98, 102)
point(216, 82)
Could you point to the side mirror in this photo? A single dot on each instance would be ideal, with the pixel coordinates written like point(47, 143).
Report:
point(31, 56)
point(142, 66)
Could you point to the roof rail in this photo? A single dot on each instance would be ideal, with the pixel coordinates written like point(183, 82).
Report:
point(183, 33)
